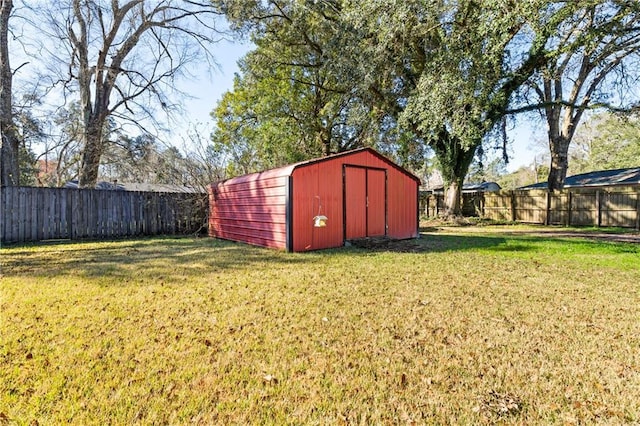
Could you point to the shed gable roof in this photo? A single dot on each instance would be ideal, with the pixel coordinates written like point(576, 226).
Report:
point(288, 170)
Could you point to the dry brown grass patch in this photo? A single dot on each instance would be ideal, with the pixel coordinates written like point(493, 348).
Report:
point(476, 328)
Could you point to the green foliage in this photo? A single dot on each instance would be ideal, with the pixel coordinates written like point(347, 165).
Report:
point(28, 168)
point(29, 131)
point(293, 99)
point(401, 76)
point(461, 75)
point(262, 123)
point(607, 141)
point(448, 70)
point(525, 175)
point(489, 172)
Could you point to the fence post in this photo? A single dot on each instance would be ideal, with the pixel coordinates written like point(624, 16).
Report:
point(638, 211)
point(2, 218)
point(569, 207)
point(513, 206)
point(547, 209)
point(426, 206)
point(599, 209)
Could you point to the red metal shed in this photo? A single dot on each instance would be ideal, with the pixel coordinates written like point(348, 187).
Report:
point(361, 193)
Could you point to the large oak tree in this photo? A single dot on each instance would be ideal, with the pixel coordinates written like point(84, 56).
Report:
point(599, 48)
point(444, 74)
point(454, 68)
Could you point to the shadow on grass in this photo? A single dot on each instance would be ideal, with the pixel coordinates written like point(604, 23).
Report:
point(440, 243)
point(512, 243)
point(177, 258)
point(435, 242)
point(174, 259)
point(428, 243)
point(161, 256)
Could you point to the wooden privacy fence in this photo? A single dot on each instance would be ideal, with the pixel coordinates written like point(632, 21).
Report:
point(580, 207)
point(36, 214)
point(577, 206)
point(432, 205)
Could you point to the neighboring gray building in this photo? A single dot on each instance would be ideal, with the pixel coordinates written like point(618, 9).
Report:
point(141, 187)
point(472, 187)
point(603, 178)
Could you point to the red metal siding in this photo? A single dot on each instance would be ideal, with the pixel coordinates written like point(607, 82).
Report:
point(315, 184)
point(376, 200)
point(402, 199)
point(324, 179)
point(365, 202)
point(251, 209)
point(402, 194)
point(355, 185)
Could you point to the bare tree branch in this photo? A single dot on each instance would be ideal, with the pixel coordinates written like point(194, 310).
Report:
point(119, 55)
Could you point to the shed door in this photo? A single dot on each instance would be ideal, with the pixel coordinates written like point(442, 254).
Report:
point(365, 194)
point(376, 195)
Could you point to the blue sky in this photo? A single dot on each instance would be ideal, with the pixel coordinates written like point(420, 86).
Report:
point(208, 86)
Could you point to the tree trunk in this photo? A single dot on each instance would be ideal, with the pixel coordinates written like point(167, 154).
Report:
point(453, 199)
point(9, 138)
point(559, 149)
point(323, 135)
point(454, 159)
point(9, 152)
point(92, 152)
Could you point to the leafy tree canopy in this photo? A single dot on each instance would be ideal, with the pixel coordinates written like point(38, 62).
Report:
point(607, 141)
point(298, 94)
point(404, 76)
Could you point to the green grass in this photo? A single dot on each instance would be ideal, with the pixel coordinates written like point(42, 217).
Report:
point(481, 327)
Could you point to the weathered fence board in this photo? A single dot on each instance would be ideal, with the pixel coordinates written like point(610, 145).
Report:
point(579, 207)
point(35, 214)
point(608, 208)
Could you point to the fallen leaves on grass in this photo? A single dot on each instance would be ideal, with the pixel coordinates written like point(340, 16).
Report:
point(270, 379)
point(496, 404)
point(254, 336)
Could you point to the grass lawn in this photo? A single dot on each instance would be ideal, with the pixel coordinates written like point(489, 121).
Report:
point(482, 327)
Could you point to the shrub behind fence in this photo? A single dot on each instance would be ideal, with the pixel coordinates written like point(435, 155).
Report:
point(36, 214)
